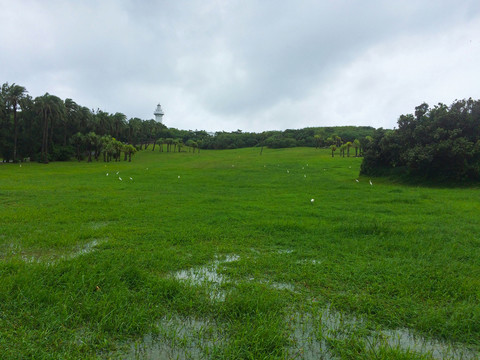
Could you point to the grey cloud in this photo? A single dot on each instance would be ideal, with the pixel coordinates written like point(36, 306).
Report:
point(228, 60)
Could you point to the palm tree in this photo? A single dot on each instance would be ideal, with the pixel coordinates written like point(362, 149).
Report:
point(130, 150)
point(77, 140)
point(14, 94)
point(175, 144)
point(161, 141)
point(119, 122)
point(348, 145)
point(106, 141)
point(48, 106)
point(333, 148)
point(91, 140)
point(356, 145)
point(169, 142)
point(342, 149)
point(72, 114)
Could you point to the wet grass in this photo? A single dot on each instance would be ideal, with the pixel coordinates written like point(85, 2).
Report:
point(96, 267)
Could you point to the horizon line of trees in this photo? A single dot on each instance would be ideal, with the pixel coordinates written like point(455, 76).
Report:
point(47, 128)
point(440, 142)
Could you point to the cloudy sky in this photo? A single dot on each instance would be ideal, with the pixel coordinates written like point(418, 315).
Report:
point(253, 65)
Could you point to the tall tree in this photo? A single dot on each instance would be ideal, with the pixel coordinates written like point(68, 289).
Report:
point(14, 95)
point(48, 106)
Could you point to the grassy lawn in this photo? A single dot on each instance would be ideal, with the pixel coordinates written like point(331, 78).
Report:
point(233, 254)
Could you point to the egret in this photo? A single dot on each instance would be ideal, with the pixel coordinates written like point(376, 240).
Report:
point(179, 176)
point(119, 178)
point(371, 183)
point(118, 172)
point(304, 175)
point(131, 178)
point(107, 174)
point(312, 200)
point(356, 180)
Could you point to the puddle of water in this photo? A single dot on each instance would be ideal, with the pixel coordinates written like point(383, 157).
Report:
point(406, 339)
point(9, 249)
point(309, 261)
point(208, 275)
point(286, 251)
point(50, 257)
point(85, 249)
point(305, 340)
point(178, 338)
point(309, 335)
point(283, 286)
point(95, 225)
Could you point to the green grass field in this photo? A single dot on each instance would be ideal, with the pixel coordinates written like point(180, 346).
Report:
point(235, 255)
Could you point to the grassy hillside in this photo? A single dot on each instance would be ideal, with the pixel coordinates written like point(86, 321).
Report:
point(229, 254)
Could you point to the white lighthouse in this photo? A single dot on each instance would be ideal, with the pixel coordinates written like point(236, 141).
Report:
point(158, 114)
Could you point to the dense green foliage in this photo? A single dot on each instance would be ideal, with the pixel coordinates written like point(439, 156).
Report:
point(440, 142)
point(88, 262)
point(311, 137)
point(48, 128)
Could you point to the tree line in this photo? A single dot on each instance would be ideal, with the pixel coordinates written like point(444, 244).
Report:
point(441, 143)
point(47, 128)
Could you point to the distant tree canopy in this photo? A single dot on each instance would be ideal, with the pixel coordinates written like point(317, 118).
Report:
point(309, 137)
point(47, 128)
point(435, 143)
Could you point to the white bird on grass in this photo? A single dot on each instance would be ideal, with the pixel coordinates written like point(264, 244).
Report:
point(371, 183)
point(118, 172)
point(107, 174)
point(312, 200)
point(119, 178)
point(356, 180)
point(305, 176)
point(131, 178)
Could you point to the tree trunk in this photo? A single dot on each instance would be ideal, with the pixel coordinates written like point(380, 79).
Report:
point(45, 139)
point(15, 131)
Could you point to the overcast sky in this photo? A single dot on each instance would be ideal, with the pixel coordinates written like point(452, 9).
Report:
point(253, 65)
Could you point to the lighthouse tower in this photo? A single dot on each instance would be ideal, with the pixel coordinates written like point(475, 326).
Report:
point(158, 114)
